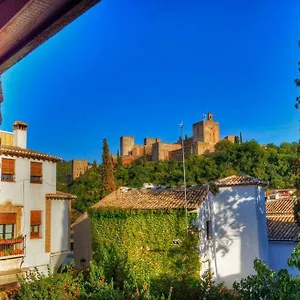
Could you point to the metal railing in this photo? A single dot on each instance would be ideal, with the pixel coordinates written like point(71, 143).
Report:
point(11, 247)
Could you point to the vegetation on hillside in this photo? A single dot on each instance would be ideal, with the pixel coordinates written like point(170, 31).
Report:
point(273, 163)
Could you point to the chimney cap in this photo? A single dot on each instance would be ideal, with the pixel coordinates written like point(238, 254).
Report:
point(20, 125)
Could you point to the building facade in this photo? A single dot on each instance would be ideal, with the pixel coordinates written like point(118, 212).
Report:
point(34, 217)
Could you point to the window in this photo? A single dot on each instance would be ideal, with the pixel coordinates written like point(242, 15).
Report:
point(8, 170)
point(208, 230)
point(36, 172)
point(35, 224)
point(7, 225)
point(6, 231)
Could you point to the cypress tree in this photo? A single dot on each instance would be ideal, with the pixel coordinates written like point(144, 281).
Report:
point(119, 160)
point(241, 138)
point(108, 179)
point(236, 140)
point(144, 155)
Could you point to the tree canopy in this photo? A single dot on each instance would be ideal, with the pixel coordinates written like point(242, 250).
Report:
point(271, 162)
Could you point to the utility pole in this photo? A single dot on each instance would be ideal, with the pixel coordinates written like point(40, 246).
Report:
point(184, 178)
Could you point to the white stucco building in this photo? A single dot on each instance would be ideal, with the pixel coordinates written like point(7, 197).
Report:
point(34, 217)
point(237, 225)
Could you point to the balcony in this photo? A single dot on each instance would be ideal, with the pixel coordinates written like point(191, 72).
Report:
point(10, 248)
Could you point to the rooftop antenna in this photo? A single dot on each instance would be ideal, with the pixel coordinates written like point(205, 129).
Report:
point(184, 178)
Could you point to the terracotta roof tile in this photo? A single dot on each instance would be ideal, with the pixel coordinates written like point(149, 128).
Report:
point(282, 228)
point(281, 206)
point(60, 196)
point(153, 199)
point(20, 152)
point(280, 219)
point(237, 180)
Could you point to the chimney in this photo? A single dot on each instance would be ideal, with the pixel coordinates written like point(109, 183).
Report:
point(20, 134)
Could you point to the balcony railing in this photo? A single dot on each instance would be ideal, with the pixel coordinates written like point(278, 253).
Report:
point(11, 247)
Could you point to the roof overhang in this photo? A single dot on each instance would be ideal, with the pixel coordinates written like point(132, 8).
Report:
point(26, 24)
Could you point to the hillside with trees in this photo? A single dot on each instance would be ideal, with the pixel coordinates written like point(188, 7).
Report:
point(271, 162)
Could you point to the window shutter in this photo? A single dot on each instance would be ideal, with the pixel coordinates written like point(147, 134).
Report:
point(8, 218)
point(36, 217)
point(8, 166)
point(36, 169)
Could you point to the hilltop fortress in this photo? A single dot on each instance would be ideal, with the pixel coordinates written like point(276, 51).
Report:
point(205, 136)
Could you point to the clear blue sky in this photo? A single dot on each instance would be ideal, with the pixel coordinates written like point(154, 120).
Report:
point(140, 67)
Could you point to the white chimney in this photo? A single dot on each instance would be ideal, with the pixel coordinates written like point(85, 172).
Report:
point(20, 134)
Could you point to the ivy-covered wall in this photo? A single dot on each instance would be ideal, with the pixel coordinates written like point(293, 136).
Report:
point(144, 246)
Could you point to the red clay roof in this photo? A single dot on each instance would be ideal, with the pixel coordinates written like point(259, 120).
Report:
point(280, 219)
point(240, 180)
point(153, 199)
point(282, 228)
point(281, 206)
point(60, 196)
point(26, 153)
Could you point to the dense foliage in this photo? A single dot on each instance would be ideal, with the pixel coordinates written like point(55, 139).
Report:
point(63, 175)
point(273, 163)
point(95, 283)
point(145, 246)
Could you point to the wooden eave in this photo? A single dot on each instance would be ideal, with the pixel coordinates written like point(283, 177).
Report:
point(26, 24)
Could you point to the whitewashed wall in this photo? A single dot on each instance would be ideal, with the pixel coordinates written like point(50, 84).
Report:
point(31, 197)
point(279, 253)
point(239, 232)
point(59, 226)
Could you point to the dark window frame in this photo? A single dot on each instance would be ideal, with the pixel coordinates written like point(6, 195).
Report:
point(4, 233)
point(208, 230)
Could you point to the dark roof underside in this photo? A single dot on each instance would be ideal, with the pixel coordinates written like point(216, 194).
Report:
point(26, 24)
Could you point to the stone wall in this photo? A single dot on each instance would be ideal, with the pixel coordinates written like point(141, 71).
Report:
point(126, 145)
point(79, 167)
point(230, 138)
point(161, 151)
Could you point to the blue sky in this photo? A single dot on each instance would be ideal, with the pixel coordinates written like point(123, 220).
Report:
point(140, 67)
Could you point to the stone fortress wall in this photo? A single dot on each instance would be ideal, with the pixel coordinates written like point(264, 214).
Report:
point(206, 134)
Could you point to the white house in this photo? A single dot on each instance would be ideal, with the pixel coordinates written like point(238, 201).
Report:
point(233, 228)
point(34, 217)
point(237, 225)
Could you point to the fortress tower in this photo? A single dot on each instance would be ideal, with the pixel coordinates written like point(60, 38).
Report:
point(207, 131)
point(126, 145)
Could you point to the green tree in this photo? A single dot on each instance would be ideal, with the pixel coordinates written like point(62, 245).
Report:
point(241, 138)
point(119, 160)
point(107, 173)
point(63, 175)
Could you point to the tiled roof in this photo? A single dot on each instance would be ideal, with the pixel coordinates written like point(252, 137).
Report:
point(282, 206)
point(60, 196)
point(280, 219)
point(20, 152)
point(153, 199)
point(282, 228)
point(239, 180)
